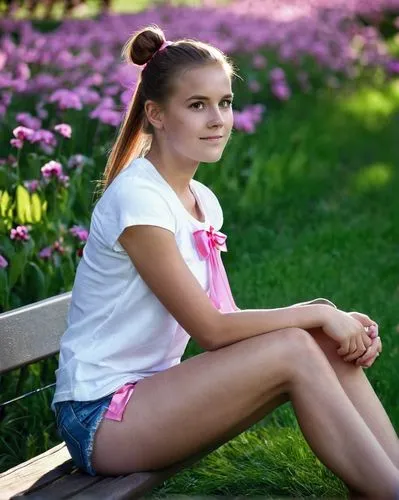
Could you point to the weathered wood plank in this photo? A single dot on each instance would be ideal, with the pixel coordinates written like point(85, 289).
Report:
point(32, 332)
point(65, 487)
point(133, 486)
point(36, 472)
point(52, 475)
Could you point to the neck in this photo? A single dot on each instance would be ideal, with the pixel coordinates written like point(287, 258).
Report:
point(176, 173)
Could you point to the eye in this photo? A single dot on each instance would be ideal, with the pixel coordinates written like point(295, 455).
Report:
point(194, 104)
point(229, 102)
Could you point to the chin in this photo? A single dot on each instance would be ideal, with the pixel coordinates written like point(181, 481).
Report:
point(212, 158)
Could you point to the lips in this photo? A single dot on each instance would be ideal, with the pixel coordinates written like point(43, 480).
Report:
point(212, 137)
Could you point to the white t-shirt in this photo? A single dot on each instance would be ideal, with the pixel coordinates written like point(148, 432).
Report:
point(117, 329)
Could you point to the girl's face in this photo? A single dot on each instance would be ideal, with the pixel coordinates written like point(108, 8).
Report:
point(200, 107)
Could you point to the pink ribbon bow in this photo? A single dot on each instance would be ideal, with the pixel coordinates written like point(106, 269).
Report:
point(209, 244)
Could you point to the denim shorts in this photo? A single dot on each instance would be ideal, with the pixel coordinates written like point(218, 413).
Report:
point(77, 422)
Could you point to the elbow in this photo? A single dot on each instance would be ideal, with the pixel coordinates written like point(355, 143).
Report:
point(214, 333)
point(208, 336)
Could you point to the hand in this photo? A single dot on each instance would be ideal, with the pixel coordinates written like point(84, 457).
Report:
point(371, 354)
point(373, 351)
point(348, 331)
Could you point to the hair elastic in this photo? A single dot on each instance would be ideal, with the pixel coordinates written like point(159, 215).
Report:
point(164, 45)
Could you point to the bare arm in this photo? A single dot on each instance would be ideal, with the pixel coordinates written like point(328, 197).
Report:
point(247, 323)
point(154, 253)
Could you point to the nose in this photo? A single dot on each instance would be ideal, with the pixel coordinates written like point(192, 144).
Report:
point(216, 118)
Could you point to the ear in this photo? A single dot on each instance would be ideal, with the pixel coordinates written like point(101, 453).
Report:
point(154, 114)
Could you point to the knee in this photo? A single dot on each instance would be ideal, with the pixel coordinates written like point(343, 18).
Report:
point(302, 350)
point(299, 340)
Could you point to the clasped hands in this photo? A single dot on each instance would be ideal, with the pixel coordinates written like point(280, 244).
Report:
point(373, 350)
point(371, 328)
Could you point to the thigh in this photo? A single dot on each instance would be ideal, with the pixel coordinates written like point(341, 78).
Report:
point(203, 401)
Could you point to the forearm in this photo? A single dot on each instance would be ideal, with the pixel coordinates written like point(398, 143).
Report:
point(243, 324)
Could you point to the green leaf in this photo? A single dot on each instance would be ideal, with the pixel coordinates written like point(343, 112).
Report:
point(36, 207)
point(67, 270)
point(23, 205)
point(36, 281)
point(4, 290)
point(17, 264)
point(5, 203)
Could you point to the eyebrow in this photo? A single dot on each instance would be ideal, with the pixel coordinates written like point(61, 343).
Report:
point(205, 98)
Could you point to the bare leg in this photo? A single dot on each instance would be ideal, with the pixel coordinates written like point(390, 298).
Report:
point(195, 408)
point(359, 390)
point(339, 436)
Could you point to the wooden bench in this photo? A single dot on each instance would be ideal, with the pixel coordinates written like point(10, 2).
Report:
point(32, 333)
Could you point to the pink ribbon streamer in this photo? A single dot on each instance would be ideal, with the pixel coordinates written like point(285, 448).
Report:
point(119, 401)
point(209, 244)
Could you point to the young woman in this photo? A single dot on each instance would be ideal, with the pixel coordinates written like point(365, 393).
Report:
point(151, 277)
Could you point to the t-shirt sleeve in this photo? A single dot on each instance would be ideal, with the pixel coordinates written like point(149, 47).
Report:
point(132, 205)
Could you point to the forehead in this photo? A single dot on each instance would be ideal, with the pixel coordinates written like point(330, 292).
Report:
point(211, 81)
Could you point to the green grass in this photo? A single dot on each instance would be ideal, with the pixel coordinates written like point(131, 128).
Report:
point(321, 218)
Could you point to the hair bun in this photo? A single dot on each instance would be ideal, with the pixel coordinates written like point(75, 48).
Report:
point(143, 44)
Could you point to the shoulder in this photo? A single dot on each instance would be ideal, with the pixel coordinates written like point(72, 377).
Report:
point(133, 186)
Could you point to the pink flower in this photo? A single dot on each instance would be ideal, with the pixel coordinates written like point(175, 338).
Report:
point(107, 116)
point(3, 262)
point(20, 233)
point(45, 253)
point(277, 74)
point(17, 143)
point(29, 121)
point(23, 133)
point(76, 161)
point(64, 129)
point(393, 66)
point(259, 61)
point(32, 185)
point(57, 247)
point(247, 119)
point(51, 169)
point(281, 91)
point(66, 99)
point(254, 86)
point(44, 136)
point(80, 232)
point(64, 180)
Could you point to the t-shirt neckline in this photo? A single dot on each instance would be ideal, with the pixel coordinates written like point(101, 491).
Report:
point(193, 190)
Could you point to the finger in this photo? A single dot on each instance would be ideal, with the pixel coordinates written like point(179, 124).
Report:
point(369, 354)
point(367, 341)
point(357, 349)
point(373, 332)
point(344, 348)
point(364, 319)
point(368, 362)
point(369, 358)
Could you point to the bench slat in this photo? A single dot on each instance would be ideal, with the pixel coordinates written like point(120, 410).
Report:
point(33, 332)
point(134, 486)
point(53, 475)
point(65, 487)
point(36, 472)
